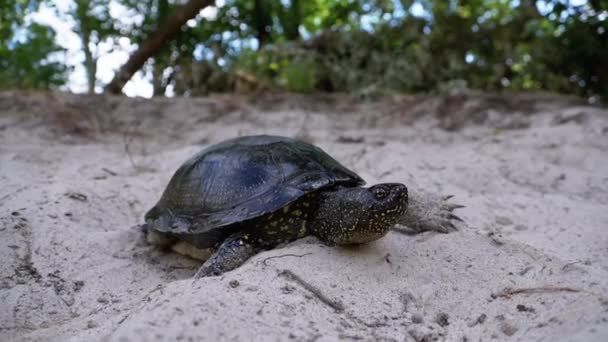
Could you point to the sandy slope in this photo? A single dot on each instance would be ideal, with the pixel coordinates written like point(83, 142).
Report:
point(530, 264)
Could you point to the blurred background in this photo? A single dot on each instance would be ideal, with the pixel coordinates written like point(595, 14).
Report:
point(370, 48)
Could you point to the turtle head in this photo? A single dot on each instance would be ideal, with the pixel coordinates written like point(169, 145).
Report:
point(359, 215)
point(389, 201)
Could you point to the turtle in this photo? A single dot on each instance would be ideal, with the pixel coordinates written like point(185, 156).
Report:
point(253, 193)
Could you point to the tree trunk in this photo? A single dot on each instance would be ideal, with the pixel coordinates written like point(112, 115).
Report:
point(529, 9)
point(84, 30)
point(90, 64)
point(160, 60)
point(155, 41)
point(158, 84)
point(597, 5)
point(262, 22)
point(291, 19)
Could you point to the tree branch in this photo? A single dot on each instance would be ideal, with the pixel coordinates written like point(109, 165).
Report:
point(155, 41)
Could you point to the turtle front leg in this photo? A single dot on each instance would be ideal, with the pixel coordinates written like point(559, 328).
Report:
point(232, 253)
point(428, 212)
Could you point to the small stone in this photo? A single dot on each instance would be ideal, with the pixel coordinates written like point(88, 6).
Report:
point(77, 196)
point(287, 289)
point(417, 318)
point(78, 285)
point(523, 308)
point(442, 319)
point(234, 284)
point(103, 300)
point(480, 320)
point(91, 324)
point(503, 220)
point(508, 328)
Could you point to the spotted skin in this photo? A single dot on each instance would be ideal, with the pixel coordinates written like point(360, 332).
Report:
point(359, 215)
point(233, 252)
point(339, 216)
point(284, 225)
point(248, 194)
point(266, 232)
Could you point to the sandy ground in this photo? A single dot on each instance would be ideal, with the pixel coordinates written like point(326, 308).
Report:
point(530, 264)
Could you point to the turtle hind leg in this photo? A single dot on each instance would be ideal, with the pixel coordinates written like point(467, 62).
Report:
point(154, 237)
point(232, 253)
point(167, 242)
point(189, 250)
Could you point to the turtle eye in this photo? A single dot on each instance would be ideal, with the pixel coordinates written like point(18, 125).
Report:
point(380, 193)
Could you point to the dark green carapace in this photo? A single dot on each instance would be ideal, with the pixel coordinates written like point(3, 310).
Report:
point(252, 193)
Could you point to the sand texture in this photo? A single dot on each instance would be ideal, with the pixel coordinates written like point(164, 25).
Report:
point(530, 263)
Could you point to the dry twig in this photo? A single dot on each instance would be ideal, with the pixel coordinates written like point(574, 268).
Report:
point(284, 255)
point(508, 292)
point(312, 289)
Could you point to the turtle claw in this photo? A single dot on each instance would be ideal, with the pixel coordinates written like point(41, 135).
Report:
point(454, 217)
point(446, 227)
point(451, 206)
point(428, 212)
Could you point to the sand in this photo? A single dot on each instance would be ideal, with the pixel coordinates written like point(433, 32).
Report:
point(530, 263)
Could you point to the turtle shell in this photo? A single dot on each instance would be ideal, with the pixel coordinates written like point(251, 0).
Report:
point(243, 178)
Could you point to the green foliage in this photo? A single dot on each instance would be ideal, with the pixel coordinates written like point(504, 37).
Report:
point(478, 44)
point(28, 51)
point(280, 67)
point(299, 77)
point(12, 14)
point(350, 45)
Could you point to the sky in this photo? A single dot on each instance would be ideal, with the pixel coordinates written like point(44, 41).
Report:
point(111, 57)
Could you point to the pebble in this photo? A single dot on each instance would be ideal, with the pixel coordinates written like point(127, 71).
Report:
point(503, 220)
